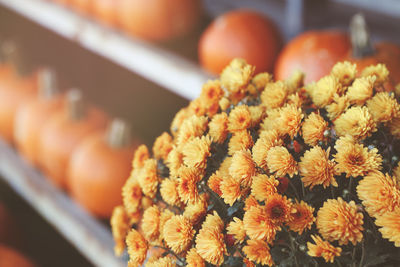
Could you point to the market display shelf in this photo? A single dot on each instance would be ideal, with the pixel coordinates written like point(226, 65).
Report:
point(89, 236)
point(162, 67)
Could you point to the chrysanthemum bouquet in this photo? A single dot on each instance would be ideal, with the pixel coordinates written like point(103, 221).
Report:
point(262, 173)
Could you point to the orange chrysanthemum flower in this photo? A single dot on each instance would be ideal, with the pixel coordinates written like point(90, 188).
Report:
point(278, 209)
point(314, 127)
point(240, 141)
point(178, 233)
point(187, 186)
point(379, 193)
point(230, 189)
point(316, 168)
point(263, 186)
point(210, 245)
point(131, 195)
point(196, 151)
point(236, 229)
point(345, 72)
point(323, 91)
point(290, 120)
point(218, 128)
point(237, 75)
point(195, 212)
point(177, 121)
point(355, 159)
point(390, 223)
point(274, 95)
point(250, 201)
point(260, 80)
point(239, 119)
point(140, 156)
point(213, 221)
point(242, 167)
point(295, 81)
point(197, 107)
point(162, 262)
point(120, 226)
point(323, 249)
point(148, 178)
point(295, 100)
point(266, 140)
point(258, 225)
point(151, 223)
point(341, 221)
point(258, 251)
point(210, 95)
point(379, 71)
point(383, 107)
point(356, 122)
point(338, 106)
point(192, 127)
point(361, 90)
point(257, 114)
point(175, 161)
point(224, 103)
point(280, 161)
point(272, 121)
point(162, 146)
point(214, 182)
point(303, 218)
point(193, 259)
point(164, 217)
point(169, 192)
point(137, 248)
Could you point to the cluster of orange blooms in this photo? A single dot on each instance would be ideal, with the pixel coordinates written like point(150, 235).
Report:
point(263, 172)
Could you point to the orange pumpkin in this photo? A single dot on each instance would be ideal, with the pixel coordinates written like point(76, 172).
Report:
point(31, 116)
point(106, 11)
point(82, 6)
point(312, 52)
point(63, 132)
point(364, 53)
point(11, 258)
point(14, 93)
point(99, 168)
point(240, 33)
point(158, 20)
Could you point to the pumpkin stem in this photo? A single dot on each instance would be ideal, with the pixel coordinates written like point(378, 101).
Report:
point(360, 38)
point(47, 84)
point(119, 134)
point(75, 105)
point(12, 55)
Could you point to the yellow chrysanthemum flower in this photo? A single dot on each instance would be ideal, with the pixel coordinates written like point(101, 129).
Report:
point(218, 128)
point(178, 233)
point(258, 251)
point(361, 90)
point(383, 107)
point(313, 129)
point(379, 193)
point(345, 72)
point(236, 75)
point(390, 223)
point(239, 119)
point(340, 220)
point(379, 71)
point(303, 218)
point(151, 223)
point(281, 162)
point(137, 248)
point(356, 122)
point(236, 229)
point(274, 95)
point(120, 227)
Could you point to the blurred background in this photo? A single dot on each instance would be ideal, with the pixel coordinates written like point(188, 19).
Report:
point(135, 63)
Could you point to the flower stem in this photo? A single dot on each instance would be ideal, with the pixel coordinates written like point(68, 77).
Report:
point(362, 253)
point(294, 190)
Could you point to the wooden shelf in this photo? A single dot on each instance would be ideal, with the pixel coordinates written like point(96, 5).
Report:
point(89, 236)
point(164, 68)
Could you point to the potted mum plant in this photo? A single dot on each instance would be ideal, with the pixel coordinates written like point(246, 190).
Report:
point(257, 172)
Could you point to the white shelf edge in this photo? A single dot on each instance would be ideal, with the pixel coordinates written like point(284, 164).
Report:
point(157, 65)
point(89, 236)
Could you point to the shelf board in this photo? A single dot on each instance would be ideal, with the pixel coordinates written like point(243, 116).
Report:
point(162, 67)
point(88, 235)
